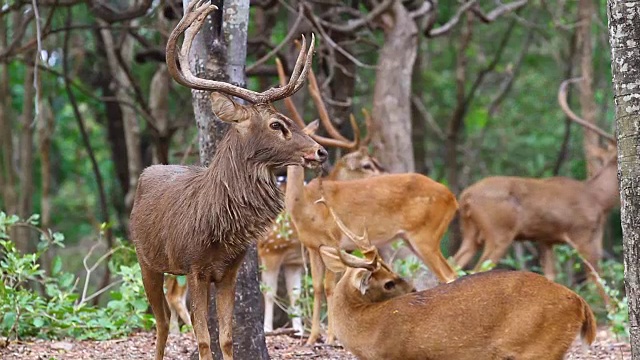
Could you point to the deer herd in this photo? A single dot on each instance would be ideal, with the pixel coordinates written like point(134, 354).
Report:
point(199, 221)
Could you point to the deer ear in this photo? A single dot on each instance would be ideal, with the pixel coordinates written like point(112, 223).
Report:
point(361, 280)
point(228, 110)
point(331, 259)
point(311, 128)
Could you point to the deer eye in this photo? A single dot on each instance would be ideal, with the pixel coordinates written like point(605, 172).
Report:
point(367, 167)
point(277, 126)
point(389, 285)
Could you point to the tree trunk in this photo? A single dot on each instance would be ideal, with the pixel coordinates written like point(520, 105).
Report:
point(392, 94)
point(123, 94)
point(7, 170)
point(25, 204)
point(587, 100)
point(227, 55)
point(455, 127)
point(624, 36)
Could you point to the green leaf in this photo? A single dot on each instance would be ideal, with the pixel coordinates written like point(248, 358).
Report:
point(57, 265)
point(140, 304)
point(182, 280)
point(66, 280)
point(38, 322)
point(8, 320)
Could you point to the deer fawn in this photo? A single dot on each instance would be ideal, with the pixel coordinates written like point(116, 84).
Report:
point(199, 221)
point(410, 206)
point(493, 315)
point(498, 210)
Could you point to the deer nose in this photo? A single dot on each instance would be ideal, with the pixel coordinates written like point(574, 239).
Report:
point(321, 154)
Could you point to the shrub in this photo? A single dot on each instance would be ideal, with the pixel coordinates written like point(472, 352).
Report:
point(60, 309)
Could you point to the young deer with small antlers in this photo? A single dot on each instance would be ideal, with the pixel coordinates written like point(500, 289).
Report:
point(493, 315)
point(498, 210)
point(410, 206)
point(197, 221)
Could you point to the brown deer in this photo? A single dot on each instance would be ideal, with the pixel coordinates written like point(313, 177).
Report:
point(281, 248)
point(410, 206)
point(199, 221)
point(493, 315)
point(276, 250)
point(496, 211)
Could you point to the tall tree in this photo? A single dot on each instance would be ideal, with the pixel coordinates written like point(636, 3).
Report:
point(392, 94)
point(222, 48)
point(624, 36)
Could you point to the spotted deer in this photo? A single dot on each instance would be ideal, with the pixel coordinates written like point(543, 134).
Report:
point(492, 315)
point(199, 221)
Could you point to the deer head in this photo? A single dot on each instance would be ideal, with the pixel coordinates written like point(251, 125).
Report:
point(371, 276)
point(270, 137)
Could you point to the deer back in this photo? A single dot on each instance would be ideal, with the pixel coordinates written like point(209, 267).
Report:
point(397, 202)
point(470, 316)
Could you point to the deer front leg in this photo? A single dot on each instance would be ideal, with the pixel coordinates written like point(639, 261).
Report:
point(225, 298)
point(199, 286)
point(329, 285)
point(271, 267)
point(548, 261)
point(293, 277)
point(153, 286)
point(317, 271)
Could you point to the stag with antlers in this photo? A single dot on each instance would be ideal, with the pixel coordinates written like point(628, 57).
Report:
point(499, 210)
point(198, 221)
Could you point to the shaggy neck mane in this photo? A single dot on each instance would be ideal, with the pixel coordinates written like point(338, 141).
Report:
point(245, 200)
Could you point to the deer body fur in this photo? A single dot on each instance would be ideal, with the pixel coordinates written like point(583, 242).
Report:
point(492, 315)
point(199, 221)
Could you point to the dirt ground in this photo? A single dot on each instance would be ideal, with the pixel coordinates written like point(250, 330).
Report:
point(281, 347)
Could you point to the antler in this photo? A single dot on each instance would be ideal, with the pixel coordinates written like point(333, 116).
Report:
point(194, 16)
point(562, 100)
point(367, 122)
point(324, 116)
point(370, 251)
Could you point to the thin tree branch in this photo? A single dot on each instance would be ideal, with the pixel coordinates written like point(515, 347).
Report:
point(286, 40)
point(85, 138)
point(106, 12)
point(356, 24)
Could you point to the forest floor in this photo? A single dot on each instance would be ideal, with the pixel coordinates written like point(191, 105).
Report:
point(282, 347)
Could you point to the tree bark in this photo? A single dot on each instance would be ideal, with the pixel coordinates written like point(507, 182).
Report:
point(624, 36)
point(7, 170)
point(226, 55)
point(131, 125)
point(25, 204)
point(391, 115)
point(587, 100)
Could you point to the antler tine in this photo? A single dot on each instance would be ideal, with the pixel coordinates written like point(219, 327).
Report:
point(564, 104)
point(314, 91)
point(361, 241)
point(297, 118)
point(193, 19)
point(367, 121)
point(354, 262)
point(288, 102)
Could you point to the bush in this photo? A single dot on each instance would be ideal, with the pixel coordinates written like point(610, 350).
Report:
point(60, 310)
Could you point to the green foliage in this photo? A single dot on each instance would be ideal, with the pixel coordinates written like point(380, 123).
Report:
point(37, 304)
point(612, 282)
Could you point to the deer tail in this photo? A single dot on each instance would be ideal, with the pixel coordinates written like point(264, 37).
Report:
point(588, 331)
